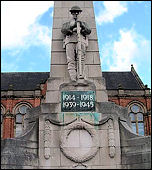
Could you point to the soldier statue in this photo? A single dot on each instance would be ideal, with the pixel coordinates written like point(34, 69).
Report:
point(75, 43)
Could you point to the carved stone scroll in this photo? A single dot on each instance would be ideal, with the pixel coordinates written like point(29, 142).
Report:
point(47, 139)
point(111, 139)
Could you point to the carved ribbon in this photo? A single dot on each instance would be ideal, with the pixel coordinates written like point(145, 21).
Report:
point(47, 139)
point(111, 138)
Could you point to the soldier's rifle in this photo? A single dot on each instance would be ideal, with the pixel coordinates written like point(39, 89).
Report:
point(79, 50)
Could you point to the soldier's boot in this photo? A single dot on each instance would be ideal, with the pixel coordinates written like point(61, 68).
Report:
point(73, 75)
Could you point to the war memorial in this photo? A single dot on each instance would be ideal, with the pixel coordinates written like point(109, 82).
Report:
point(76, 127)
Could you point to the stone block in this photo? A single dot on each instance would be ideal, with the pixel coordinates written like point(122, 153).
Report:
point(99, 83)
point(91, 22)
point(50, 108)
point(95, 160)
point(104, 167)
point(118, 166)
point(72, 3)
point(55, 139)
point(27, 93)
point(118, 155)
point(146, 157)
point(117, 138)
point(140, 166)
point(41, 141)
point(103, 138)
point(135, 158)
point(93, 71)
point(57, 46)
point(104, 126)
point(88, 4)
point(57, 23)
point(18, 93)
point(101, 96)
point(105, 159)
point(89, 58)
point(88, 13)
point(55, 157)
point(81, 4)
point(55, 117)
point(57, 4)
point(65, 161)
point(58, 58)
point(54, 84)
point(59, 71)
point(93, 46)
point(42, 161)
point(57, 34)
point(61, 13)
point(92, 58)
point(52, 97)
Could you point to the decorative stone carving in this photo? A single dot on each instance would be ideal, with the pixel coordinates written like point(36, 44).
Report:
point(111, 139)
point(47, 139)
point(77, 156)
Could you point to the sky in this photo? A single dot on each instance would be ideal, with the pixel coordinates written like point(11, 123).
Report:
point(123, 29)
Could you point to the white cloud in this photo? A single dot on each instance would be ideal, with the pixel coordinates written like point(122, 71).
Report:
point(112, 10)
point(16, 19)
point(131, 48)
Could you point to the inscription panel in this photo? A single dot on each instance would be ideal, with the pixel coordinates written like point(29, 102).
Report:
point(76, 101)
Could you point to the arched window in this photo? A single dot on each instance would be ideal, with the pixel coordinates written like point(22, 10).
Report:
point(136, 114)
point(20, 113)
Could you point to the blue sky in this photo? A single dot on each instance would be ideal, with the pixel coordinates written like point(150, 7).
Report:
point(123, 28)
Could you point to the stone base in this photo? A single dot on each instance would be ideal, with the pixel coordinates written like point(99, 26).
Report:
point(103, 139)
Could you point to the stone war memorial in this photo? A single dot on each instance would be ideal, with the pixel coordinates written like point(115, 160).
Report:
point(76, 127)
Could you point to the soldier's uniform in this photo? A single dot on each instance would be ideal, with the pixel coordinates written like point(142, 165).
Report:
point(70, 44)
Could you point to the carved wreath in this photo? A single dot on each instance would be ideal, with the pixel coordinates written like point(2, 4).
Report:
point(76, 157)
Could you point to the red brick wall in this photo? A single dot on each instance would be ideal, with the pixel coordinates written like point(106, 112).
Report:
point(125, 101)
point(8, 127)
point(145, 101)
point(8, 122)
point(11, 103)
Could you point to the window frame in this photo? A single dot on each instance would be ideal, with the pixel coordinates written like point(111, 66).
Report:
point(15, 113)
point(136, 121)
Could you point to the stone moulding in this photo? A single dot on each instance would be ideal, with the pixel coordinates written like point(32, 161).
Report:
point(101, 122)
point(76, 157)
point(47, 139)
point(55, 122)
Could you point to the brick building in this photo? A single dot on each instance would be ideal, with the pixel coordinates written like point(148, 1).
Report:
point(23, 90)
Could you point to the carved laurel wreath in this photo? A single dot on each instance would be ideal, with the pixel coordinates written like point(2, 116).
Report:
point(76, 157)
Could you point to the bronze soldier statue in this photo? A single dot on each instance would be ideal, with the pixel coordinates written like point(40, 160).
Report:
point(75, 43)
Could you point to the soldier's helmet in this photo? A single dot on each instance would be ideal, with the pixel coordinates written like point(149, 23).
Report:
point(75, 9)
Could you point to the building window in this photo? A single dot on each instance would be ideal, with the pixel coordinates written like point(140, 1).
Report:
point(20, 115)
point(137, 119)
